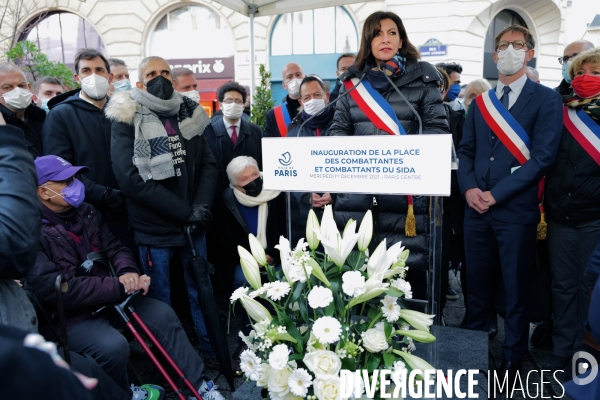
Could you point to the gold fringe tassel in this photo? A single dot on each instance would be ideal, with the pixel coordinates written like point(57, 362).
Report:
point(542, 228)
point(410, 227)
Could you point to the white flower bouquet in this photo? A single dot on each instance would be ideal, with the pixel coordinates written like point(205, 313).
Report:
point(324, 312)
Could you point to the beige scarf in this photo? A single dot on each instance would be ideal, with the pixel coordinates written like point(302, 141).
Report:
point(263, 209)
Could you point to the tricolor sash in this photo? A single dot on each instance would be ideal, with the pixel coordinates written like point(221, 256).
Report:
point(584, 130)
point(513, 136)
point(382, 115)
point(375, 107)
point(283, 119)
point(504, 125)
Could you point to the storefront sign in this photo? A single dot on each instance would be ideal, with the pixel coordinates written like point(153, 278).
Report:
point(412, 164)
point(207, 68)
point(433, 48)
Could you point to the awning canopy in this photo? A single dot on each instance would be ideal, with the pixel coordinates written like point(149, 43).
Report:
point(276, 7)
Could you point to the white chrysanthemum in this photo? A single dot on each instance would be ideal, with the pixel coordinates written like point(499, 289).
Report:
point(279, 356)
point(250, 365)
point(299, 269)
point(260, 291)
point(299, 382)
point(353, 283)
point(237, 293)
point(277, 290)
point(327, 329)
point(320, 296)
point(390, 308)
point(402, 286)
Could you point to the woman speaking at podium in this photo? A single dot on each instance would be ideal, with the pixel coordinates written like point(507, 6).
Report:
point(388, 79)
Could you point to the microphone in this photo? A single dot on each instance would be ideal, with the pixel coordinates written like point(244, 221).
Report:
point(364, 73)
point(454, 157)
point(383, 69)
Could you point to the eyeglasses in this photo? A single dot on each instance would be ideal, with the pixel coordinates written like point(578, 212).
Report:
point(564, 59)
point(65, 182)
point(517, 45)
point(236, 101)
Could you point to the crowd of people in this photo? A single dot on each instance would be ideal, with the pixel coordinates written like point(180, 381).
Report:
point(125, 170)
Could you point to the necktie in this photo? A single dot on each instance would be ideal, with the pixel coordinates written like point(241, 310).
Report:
point(504, 99)
point(233, 134)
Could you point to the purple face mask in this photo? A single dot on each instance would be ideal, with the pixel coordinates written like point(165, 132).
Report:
point(74, 194)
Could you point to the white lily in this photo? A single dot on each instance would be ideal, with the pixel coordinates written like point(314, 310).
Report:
point(284, 255)
point(312, 226)
point(337, 247)
point(328, 226)
point(255, 310)
point(366, 230)
point(249, 267)
point(417, 319)
point(418, 335)
point(415, 362)
point(374, 287)
point(381, 260)
point(258, 252)
point(348, 228)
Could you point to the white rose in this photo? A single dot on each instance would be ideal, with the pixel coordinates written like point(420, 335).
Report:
point(278, 383)
point(374, 340)
point(327, 389)
point(324, 364)
point(263, 381)
point(279, 356)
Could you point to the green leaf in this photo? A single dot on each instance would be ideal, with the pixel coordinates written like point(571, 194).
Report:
point(297, 292)
point(394, 292)
point(374, 363)
point(349, 363)
point(388, 329)
point(330, 309)
point(296, 357)
point(303, 309)
point(372, 314)
point(388, 360)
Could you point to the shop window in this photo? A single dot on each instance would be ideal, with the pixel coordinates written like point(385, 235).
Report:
point(321, 31)
point(60, 35)
point(191, 32)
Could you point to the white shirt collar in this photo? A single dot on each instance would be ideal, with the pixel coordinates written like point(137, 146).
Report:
point(515, 87)
point(228, 126)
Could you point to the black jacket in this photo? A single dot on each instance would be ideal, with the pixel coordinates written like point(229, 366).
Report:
point(153, 207)
point(336, 91)
point(271, 129)
point(294, 127)
point(419, 85)
point(572, 190)
point(223, 150)
point(233, 230)
point(80, 133)
point(455, 204)
point(32, 129)
point(21, 210)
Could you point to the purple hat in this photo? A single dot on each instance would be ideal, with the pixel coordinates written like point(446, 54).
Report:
point(55, 168)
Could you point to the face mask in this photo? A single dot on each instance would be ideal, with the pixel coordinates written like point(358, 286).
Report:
point(192, 95)
point(18, 99)
point(95, 86)
point(160, 87)
point(74, 194)
point(510, 61)
point(453, 92)
point(254, 188)
point(122, 85)
point(232, 111)
point(313, 106)
point(586, 86)
point(44, 105)
point(294, 87)
point(565, 74)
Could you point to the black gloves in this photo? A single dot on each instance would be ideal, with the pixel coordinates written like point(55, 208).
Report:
point(199, 219)
point(113, 203)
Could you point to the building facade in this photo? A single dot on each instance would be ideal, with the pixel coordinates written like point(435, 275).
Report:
point(214, 41)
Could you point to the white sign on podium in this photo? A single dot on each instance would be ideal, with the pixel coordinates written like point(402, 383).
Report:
point(408, 164)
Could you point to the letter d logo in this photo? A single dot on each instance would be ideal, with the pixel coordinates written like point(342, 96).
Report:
point(581, 368)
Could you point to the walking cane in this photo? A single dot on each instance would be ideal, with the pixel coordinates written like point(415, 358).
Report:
point(61, 286)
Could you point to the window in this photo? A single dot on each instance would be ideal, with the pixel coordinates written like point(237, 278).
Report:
point(60, 35)
point(191, 32)
point(503, 20)
point(321, 31)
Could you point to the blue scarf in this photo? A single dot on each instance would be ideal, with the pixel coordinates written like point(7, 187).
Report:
point(393, 68)
point(321, 120)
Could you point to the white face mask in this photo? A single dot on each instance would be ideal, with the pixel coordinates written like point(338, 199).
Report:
point(510, 61)
point(95, 86)
point(232, 111)
point(18, 99)
point(192, 95)
point(294, 87)
point(313, 106)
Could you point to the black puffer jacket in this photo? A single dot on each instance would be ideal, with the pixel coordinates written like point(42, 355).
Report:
point(573, 187)
point(419, 85)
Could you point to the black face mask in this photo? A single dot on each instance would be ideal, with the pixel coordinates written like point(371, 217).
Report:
point(160, 87)
point(254, 188)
